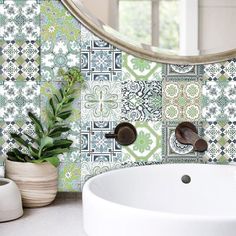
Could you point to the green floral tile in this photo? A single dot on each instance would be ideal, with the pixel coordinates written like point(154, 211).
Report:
point(69, 177)
point(173, 151)
point(18, 98)
point(147, 146)
point(20, 60)
point(221, 138)
point(182, 100)
point(100, 101)
point(57, 23)
point(134, 68)
point(50, 88)
point(20, 20)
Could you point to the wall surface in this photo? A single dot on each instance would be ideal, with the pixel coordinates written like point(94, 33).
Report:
point(38, 38)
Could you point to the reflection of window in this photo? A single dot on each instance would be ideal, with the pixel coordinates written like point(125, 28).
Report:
point(153, 22)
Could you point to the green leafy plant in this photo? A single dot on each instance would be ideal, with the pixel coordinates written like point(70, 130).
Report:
point(48, 142)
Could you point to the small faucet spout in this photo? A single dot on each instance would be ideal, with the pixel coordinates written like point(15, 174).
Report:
point(186, 133)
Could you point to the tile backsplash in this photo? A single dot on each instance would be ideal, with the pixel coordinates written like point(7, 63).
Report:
point(37, 38)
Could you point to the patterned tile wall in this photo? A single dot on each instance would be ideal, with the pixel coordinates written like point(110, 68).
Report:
point(37, 38)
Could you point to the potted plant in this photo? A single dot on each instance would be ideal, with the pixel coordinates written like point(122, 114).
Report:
point(35, 170)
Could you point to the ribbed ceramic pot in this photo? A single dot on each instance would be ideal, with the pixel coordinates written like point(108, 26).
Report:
point(37, 182)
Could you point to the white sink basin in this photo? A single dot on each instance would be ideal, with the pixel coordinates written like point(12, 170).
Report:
point(153, 201)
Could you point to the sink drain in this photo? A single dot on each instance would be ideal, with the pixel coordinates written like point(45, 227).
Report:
point(186, 179)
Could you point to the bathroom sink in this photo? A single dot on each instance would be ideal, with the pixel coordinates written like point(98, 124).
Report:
point(162, 200)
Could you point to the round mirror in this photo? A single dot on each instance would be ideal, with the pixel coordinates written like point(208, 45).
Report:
point(172, 31)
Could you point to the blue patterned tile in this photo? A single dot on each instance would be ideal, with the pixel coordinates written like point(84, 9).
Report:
point(94, 146)
point(141, 100)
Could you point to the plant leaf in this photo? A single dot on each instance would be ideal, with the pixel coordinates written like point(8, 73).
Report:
point(46, 142)
point(55, 152)
point(56, 132)
point(36, 121)
point(19, 139)
point(52, 105)
point(61, 143)
point(52, 160)
point(64, 115)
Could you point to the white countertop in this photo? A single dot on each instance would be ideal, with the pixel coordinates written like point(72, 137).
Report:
point(62, 218)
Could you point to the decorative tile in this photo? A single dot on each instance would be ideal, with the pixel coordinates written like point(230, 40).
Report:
point(101, 101)
point(75, 135)
point(220, 71)
point(86, 36)
point(60, 54)
point(57, 23)
point(50, 88)
point(100, 61)
point(20, 20)
point(182, 72)
point(184, 153)
point(17, 126)
point(139, 69)
point(90, 169)
point(182, 100)
point(69, 177)
point(147, 147)
point(18, 98)
point(219, 100)
point(141, 100)
point(221, 138)
point(94, 146)
point(19, 60)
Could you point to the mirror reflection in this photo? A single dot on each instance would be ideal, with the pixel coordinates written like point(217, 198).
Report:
point(186, 27)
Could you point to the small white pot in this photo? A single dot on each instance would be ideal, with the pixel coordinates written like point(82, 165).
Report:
point(37, 182)
point(10, 200)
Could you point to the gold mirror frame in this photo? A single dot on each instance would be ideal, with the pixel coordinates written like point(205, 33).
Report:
point(78, 10)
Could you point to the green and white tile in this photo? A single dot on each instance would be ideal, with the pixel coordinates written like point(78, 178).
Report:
point(20, 60)
point(101, 101)
point(147, 147)
point(221, 138)
point(134, 68)
point(18, 98)
point(20, 20)
point(182, 100)
point(57, 23)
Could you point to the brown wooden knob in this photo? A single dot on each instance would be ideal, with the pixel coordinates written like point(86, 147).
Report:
point(186, 133)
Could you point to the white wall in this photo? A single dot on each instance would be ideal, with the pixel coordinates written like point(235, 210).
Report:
point(217, 30)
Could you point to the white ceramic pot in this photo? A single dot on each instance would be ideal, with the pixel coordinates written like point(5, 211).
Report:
point(37, 182)
point(10, 200)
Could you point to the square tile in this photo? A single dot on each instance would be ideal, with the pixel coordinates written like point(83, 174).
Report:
point(141, 100)
point(94, 146)
point(100, 61)
point(147, 147)
point(220, 71)
point(17, 126)
point(57, 55)
point(50, 88)
point(134, 68)
point(101, 100)
point(221, 138)
point(18, 98)
point(20, 20)
point(182, 72)
point(90, 169)
point(219, 100)
point(182, 100)
point(69, 175)
point(57, 23)
point(172, 150)
point(20, 60)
